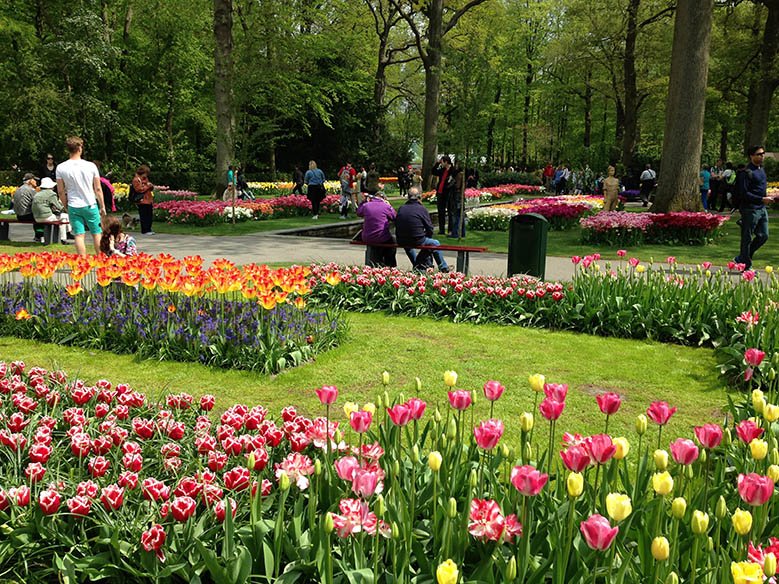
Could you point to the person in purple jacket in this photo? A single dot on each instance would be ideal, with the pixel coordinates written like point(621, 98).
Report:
point(378, 214)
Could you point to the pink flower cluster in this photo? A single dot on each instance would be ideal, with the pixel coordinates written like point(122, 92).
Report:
point(688, 220)
point(194, 212)
point(617, 220)
point(502, 191)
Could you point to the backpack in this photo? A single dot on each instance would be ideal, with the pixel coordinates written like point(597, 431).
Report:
point(739, 193)
point(134, 196)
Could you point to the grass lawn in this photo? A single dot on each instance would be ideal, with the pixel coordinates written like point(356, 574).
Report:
point(406, 347)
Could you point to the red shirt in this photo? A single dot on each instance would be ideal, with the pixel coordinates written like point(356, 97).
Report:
point(352, 174)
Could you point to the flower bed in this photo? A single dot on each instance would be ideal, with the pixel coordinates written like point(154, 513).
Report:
point(562, 212)
point(157, 307)
point(487, 194)
point(99, 481)
point(631, 229)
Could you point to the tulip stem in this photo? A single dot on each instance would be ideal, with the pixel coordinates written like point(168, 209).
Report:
point(694, 572)
point(595, 488)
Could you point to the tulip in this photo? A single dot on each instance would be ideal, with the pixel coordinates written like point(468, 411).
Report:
point(598, 533)
point(536, 382)
point(556, 391)
point(660, 412)
point(370, 408)
point(527, 480)
point(747, 431)
point(609, 402)
point(758, 448)
point(684, 451)
point(601, 448)
point(417, 407)
point(742, 521)
point(551, 409)
point(709, 435)
point(672, 578)
point(460, 399)
point(700, 522)
point(493, 390)
point(327, 394)
point(769, 565)
point(400, 414)
point(661, 459)
point(450, 378)
point(754, 357)
point(754, 489)
point(622, 447)
point(574, 484)
point(771, 413)
point(447, 573)
point(49, 501)
point(663, 483)
point(526, 422)
point(641, 424)
point(488, 433)
point(773, 472)
point(360, 421)
point(618, 506)
point(660, 549)
point(434, 460)
point(678, 508)
point(746, 572)
point(385, 378)
point(153, 538)
point(721, 509)
point(576, 458)
point(350, 407)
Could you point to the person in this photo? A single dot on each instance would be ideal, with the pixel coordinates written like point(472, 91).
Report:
point(557, 180)
point(114, 241)
point(230, 193)
point(704, 179)
point(22, 204)
point(143, 186)
point(610, 191)
point(243, 191)
point(315, 180)
point(456, 203)
point(472, 178)
point(403, 185)
point(371, 182)
point(49, 168)
point(715, 184)
point(107, 187)
point(414, 227)
point(416, 180)
point(361, 176)
point(443, 188)
point(752, 205)
point(728, 187)
point(297, 181)
point(46, 206)
point(78, 186)
point(548, 175)
point(346, 174)
point(647, 180)
point(377, 214)
point(587, 180)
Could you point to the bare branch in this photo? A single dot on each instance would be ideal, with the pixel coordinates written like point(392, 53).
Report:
point(658, 16)
point(412, 25)
point(457, 15)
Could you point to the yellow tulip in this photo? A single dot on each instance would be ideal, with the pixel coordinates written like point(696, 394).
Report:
point(370, 407)
point(663, 483)
point(350, 407)
point(742, 521)
point(450, 379)
point(769, 565)
point(771, 412)
point(700, 522)
point(447, 573)
point(746, 573)
point(773, 472)
point(769, 269)
point(434, 460)
point(641, 424)
point(575, 484)
point(526, 422)
point(661, 459)
point(640, 268)
point(661, 549)
point(758, 448)
point(536, 382)
point(622, 447)
point(618, 506)
point(678, 508)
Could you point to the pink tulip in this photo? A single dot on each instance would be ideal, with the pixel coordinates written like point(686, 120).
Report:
point(621, 253)
point(327, 394)
point(493, 390)
point(602, 448)
point(747, 430)
point(485, 521)
point(609, 402)
point(551, 409)
point(709, 435)
point(556, 391)
point(660, 412)
point(528, 480)
point(400, 414)
point(360, 421)
point(598, 533)
point(755, 489)
point(634, 262)
point(575, 458)
point(460, 399)
point(488, 434)
point(346, 466)
point(365, 483)
point(684, 451)
point(754, 357)
point(417, 407)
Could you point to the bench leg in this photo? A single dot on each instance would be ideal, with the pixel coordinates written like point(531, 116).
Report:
point(4, 232)
point(48, 233)
point(463, 259)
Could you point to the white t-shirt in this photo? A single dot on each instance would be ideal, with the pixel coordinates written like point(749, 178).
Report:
point(79, 177)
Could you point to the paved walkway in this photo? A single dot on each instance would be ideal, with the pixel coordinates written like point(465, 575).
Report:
point(275, 248)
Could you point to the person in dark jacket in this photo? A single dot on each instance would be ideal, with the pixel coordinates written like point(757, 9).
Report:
point(753, 200)
point(443, 189)
point(413, 227)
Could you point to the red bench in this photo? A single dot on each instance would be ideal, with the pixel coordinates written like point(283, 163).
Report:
point(463, 251)
point(50, 229)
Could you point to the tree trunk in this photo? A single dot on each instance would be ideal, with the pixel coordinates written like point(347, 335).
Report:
point(768, 79)
point(685, 108)
point(587, 109)
point(379, 91)
point(491, 127)
point(529, 74)
point(432, 64)
point(630, 83)
point(223, 89)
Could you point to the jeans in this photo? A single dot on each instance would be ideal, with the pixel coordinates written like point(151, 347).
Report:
point(454, 222)
point(442, 201)
point(754, 222)
point(421, 260)
point(146, 215)
point(705, 198)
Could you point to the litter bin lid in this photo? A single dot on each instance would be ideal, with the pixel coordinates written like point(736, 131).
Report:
point(529, 218)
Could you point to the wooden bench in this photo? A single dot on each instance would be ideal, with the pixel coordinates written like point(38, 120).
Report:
point(463, 251)
point(50, 228)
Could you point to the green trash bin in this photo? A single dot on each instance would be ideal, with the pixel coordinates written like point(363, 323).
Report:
point(527, 245)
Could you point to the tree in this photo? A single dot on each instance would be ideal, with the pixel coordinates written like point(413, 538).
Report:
point(685, 108)
point(761, 93)
point(223, 89)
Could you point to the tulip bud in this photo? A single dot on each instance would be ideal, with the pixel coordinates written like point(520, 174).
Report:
point(451, 510)
point(386, 398)
point(381, 507)
point(395, 530)
point(771, 373)
point(474, 396)
point(370, 407)
point(774, 459)
point(536, 382)
point(758, 448)
point(338, 436)
point(396, 468)
point(434, 460)
point(317, 467)
point(773, 472)
point(710, 544)
point(672, 578)
point(473, 480)
point(437, 416)
point(329, 523)
point(775, 359)
point(511, 569)
point(660, 548)
point(721, 510)
point(526, 422)
point(759, 405)
point(678, 508)
point(742, 521)
point(415, 454)
point(283, 481)
point(641, 424)
point(703, 455)
point(661, 460)
point(504, 451)
point(528, 451)
point(700, 522)
point(418, 384)
point(769, 565)
point(575, 484)
point(727, 437)
point(385, 378)
point(622, 447)
point(451, 430)
point(688, 472)
point(251, 461)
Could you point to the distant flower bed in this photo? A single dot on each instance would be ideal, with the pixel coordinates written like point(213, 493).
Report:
point(562, 212)
point(492, 193)
point(213, 212)
point(624, 228)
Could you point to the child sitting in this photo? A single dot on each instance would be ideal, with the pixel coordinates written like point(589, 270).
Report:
point(114, 242)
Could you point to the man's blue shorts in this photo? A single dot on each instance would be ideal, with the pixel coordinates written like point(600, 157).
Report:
point(85, 218)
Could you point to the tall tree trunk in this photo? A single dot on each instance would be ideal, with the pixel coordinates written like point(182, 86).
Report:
point(491, 127)
point(223, 90)
point(587, 109)
point(630, 83)
point(432, 62)
point(529, 75)
point(379, 91)
point(685, 108)
point(768, 78)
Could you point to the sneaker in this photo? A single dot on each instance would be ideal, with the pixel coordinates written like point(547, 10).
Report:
point(343, 217)
point(65, 242)
point(149, 233)
point(315, 217)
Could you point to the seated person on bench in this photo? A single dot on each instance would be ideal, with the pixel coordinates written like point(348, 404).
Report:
point(46, 206)
point(414, 227)
point(378, 214)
